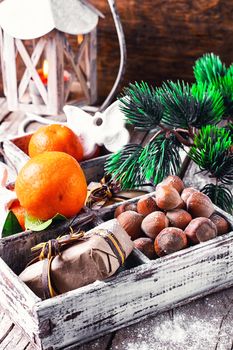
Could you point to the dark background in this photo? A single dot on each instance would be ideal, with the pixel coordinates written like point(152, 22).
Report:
point(163, 37)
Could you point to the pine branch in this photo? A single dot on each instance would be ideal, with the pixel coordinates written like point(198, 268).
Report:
point(141, 106)
point(210, 102)
point(220, 195)
point(124, 166)
point(209, 68)
point(187, 107)
point(225, 87)
point(211, 152)
point(160, 158)
point(133, 165)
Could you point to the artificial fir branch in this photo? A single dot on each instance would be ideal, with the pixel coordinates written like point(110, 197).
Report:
point(133, 165)
point(190, 107)
point(183, 115)
point(220, 195)
point(211, 153)
point(209, 68)
point(141, 106)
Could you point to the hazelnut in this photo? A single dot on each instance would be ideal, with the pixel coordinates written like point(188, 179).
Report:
point(153, 223)
point(173, 181)
point(201, 230)
point(146, 246)
point(179, 218)
point(167, 197)
point(131, 223)
point(170, 240)
point(125, 207)
point(199, 205)
point(146, 206)
point(187, 193)
point(222, 224)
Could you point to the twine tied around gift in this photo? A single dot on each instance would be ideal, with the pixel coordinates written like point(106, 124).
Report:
point(47, 251)
point(106, 191)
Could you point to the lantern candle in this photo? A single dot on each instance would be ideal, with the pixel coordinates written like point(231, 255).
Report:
point(43, 74)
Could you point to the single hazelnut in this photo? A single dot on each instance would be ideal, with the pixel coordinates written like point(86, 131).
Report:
point(153, 223)
point(201, 230)
point(131, 223)
point(186, 193)
point(173, 181)
point(125, 207)
point(222, 224)
point(146, 246)
point(146, 206)
point(199, 205)
point(170, 240)
point(179, 218)
point(167, 197)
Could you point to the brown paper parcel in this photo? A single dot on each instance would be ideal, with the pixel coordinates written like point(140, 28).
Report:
point(90, 259)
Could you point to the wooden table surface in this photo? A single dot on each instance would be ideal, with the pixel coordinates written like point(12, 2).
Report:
point(203, 324)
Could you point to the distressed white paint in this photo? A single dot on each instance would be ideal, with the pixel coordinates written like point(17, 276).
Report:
point(148, 288)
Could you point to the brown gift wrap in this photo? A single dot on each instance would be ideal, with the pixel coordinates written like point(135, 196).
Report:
point(96, 256)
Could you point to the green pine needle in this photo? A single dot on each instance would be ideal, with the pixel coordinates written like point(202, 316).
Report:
point(134, 165)
point(211, 153)
point(185, 106)
point(225, 86)
point(124, 166)
point(160, 158)
point(141, 106)
point(220, 195)
point(209, 68)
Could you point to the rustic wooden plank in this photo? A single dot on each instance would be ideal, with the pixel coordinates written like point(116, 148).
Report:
point(19, 301)
point(203, 324)
point(10, 72)
point(13, 337)
point(2, 62)
point(91, 65)
point(54, 79)
point(148, 289)
point(163, 39)
point(8, 127)
point(4, 110)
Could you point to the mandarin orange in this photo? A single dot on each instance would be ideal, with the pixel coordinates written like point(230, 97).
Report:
point(51, 183)
point(55, 137)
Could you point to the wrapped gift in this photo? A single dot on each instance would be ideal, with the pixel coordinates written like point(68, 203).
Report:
point(76, 260)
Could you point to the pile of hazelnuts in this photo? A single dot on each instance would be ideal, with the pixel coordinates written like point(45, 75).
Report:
point(171, 219)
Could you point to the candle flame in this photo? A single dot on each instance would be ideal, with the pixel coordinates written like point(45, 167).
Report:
point(45, 68)
point(80, 39)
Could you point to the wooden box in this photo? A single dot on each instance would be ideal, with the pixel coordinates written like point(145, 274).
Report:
point(15, 154)
point(144, 287)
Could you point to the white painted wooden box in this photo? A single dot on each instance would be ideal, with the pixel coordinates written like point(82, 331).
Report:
point(143, 288)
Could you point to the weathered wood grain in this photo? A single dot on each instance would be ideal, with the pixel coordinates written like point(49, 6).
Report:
point(163, 38)
point(12, 337)
point(202, 324)
point(19, 301)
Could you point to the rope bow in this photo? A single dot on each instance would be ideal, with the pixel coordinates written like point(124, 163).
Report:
point(106, 191)
point(47, 251)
